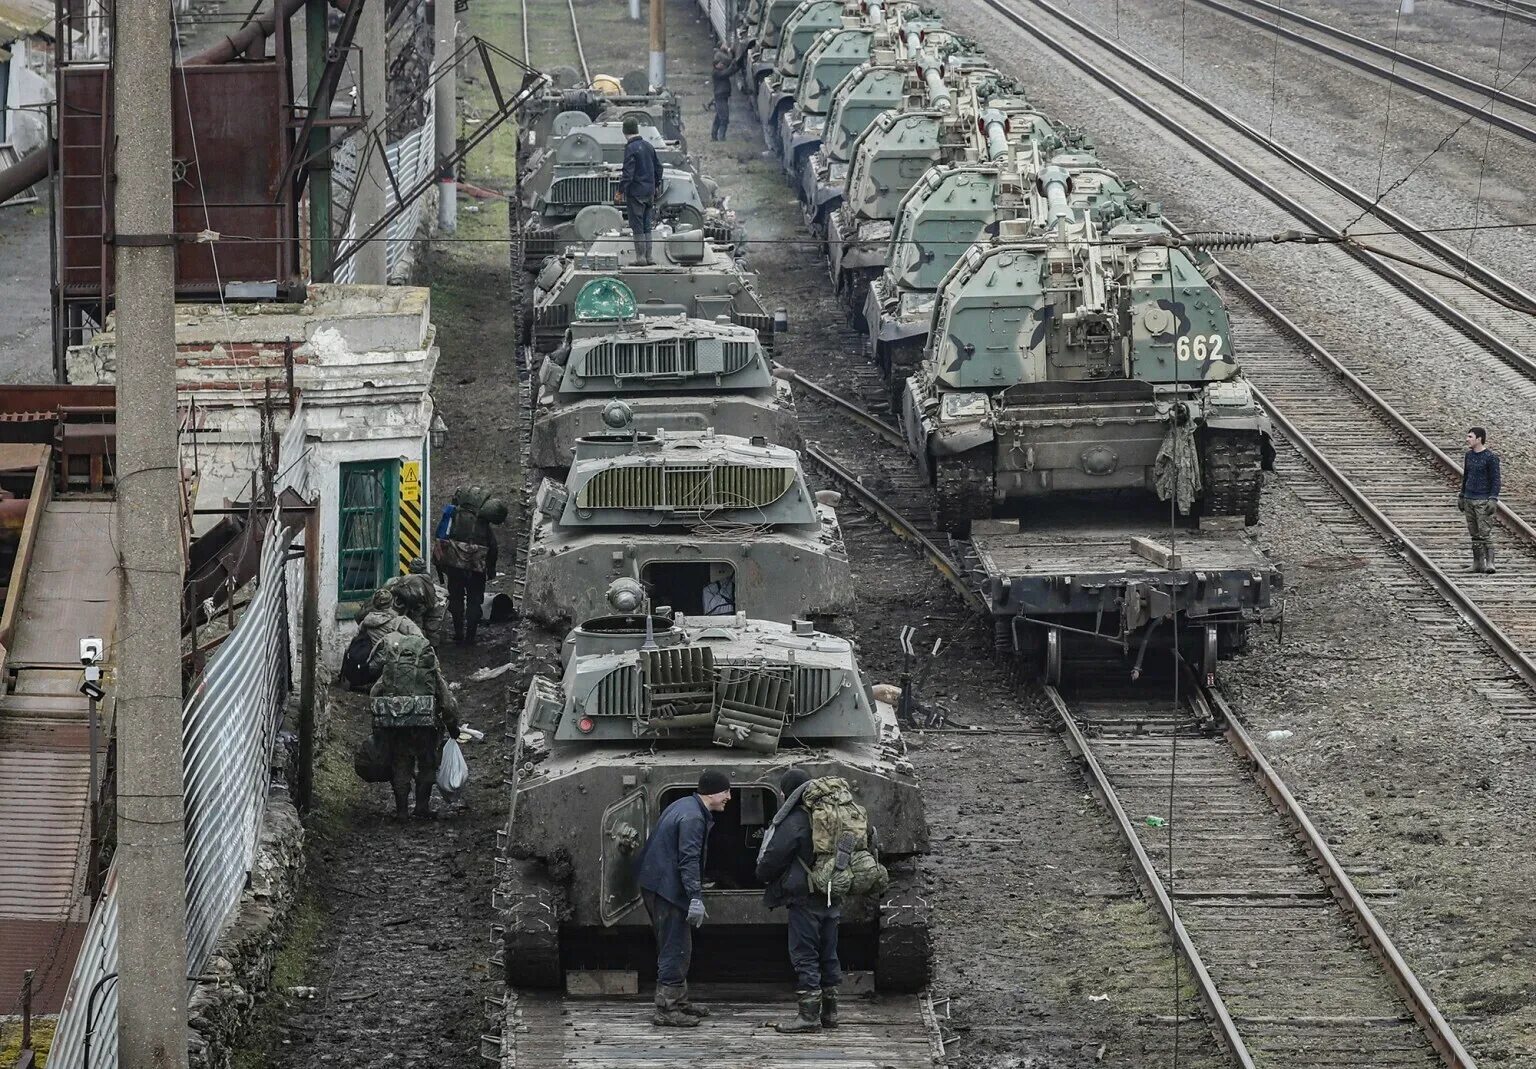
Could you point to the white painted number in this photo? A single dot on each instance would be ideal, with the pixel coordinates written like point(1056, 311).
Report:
point(1201, 347)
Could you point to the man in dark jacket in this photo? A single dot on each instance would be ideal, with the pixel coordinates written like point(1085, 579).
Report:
point(783, 863)
point(722, 67)
point(639, 184)
point(467, 557)
point(671, 870)
point(1479, 501)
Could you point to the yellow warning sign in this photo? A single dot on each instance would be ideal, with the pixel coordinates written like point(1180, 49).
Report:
point(410, 513)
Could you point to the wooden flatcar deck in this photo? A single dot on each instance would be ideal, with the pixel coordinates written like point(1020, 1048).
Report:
point(886, 1032)
point(1102, 550)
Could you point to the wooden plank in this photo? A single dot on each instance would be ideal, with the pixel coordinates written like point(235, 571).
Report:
point(1156, 552)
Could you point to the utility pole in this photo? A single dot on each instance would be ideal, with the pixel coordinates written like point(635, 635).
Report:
point(151, 852)
point(317, 39)
point(368, 204)
point(658, 43)
point(445, 109)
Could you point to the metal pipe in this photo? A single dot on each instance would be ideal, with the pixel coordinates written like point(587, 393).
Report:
point(658, 72)
point(238, 44)
point(1053, 184)
point(445, 116)
point(938, 92)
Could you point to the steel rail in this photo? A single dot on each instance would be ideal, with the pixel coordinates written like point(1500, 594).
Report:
point(1419, 1002)
point(1513, 8)
point(1483, 111)
point(1153, 884)
point(1439, 306)
point(902, 528)
point(867, 419)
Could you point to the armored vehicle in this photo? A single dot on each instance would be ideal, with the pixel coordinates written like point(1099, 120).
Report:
point(836, 54)
point(609, 100)
point(987, 122)
point(644, 703)
point(692, 276)
point(775, 89)
point(1075, 361)
point(900, 79)
point(949, 209)
point(708, 522)
point(581, 171)
point(668, 372)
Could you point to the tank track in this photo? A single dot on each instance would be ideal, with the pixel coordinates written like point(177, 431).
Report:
point(530, 919)
point(964, 486)
point(904, 961)
point(1231, 466)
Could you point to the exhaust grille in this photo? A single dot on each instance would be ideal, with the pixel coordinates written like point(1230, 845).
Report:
point(679, 357)
point(814, 688)
point(581, 190)
point(695, 488)
point(616, 694)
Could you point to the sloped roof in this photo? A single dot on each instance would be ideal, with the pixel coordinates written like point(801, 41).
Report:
point(22, 18)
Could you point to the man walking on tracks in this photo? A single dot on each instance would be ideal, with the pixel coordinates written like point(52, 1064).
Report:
point(1479, 500)
point(816, 853)
point(671, 869)
point(722, 67)
point(468, 555)
point(412, 707)
point(639, 186)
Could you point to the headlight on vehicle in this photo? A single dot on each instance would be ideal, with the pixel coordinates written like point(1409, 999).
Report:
point(967, 405)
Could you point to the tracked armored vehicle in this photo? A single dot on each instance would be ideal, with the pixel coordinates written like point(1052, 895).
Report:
point(572, 185)
point(669, 372)
point(775, 90)
point(987, 122)
point(708, 522)
point(1075, 361)
point(831, 58)
point(692, 277)
point(949, 209)
point(559, 110)
point(642, 706)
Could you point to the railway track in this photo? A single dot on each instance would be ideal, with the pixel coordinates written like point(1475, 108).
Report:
point(576, 42)
point(1318, 200)
point(1448, 87)
point(1517, 10)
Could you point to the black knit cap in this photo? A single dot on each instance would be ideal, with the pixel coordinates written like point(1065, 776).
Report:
point(792, 779)
point(713, 781)
point(631, 127)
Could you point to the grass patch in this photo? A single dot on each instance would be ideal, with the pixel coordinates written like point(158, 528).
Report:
point(42, 1039)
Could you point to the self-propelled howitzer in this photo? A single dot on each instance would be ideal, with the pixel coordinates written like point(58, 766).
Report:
point(642, 705)
point(1074, 361)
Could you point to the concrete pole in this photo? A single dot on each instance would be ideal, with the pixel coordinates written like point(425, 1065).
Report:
point(634, 10)
point(317, 38)
point(658, 43)
point(151, 852)
point(1407, 7)
point(445, 105)
point(368, 206)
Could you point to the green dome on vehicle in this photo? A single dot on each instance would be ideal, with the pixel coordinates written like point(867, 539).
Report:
point(605, 298)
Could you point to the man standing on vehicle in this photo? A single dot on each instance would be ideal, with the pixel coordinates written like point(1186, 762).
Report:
point(671, 871)
point(784, 867)
point(639, 183)
point(1479, 500)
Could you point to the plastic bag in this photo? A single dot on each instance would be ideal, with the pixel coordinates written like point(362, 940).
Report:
point(452, 772)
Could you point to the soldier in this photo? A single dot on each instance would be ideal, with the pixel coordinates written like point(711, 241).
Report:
point(671, 873)
point(375, 620)
point(783, 865)
point(639, 187)
point(412, 708)
point(416, 595)
point(1479, 500)
point(721, 68)
point(468, 555)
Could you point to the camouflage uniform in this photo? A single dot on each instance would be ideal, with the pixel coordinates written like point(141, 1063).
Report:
point(465, 567)
point(381, 616)
point(416, 596)
point(412, 749)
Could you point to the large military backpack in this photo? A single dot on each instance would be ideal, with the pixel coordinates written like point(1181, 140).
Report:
point(407, 684)
point(843, 866)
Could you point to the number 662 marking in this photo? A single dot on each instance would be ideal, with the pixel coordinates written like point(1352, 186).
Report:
point(1200, 347)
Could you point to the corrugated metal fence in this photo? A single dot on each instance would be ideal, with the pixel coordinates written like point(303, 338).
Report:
point(229, 728)
point(411, 159)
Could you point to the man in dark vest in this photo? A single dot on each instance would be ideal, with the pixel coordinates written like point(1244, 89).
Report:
point(671, 871)
point(722, 67)
point(639, 184)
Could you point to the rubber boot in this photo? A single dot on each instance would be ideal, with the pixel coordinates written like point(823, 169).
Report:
point(685, 1005)
point(424, 801)
point(829, 1007)
point(668, 1013)
point(469, 633)
point(458, 628)
point(809, 1017)
point(1488, 559)
point(403, 805)
point(1479, 558)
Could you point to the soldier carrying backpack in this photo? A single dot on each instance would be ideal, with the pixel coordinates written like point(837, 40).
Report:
point(412, 708)
point(466, 553)
point(817, 852)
